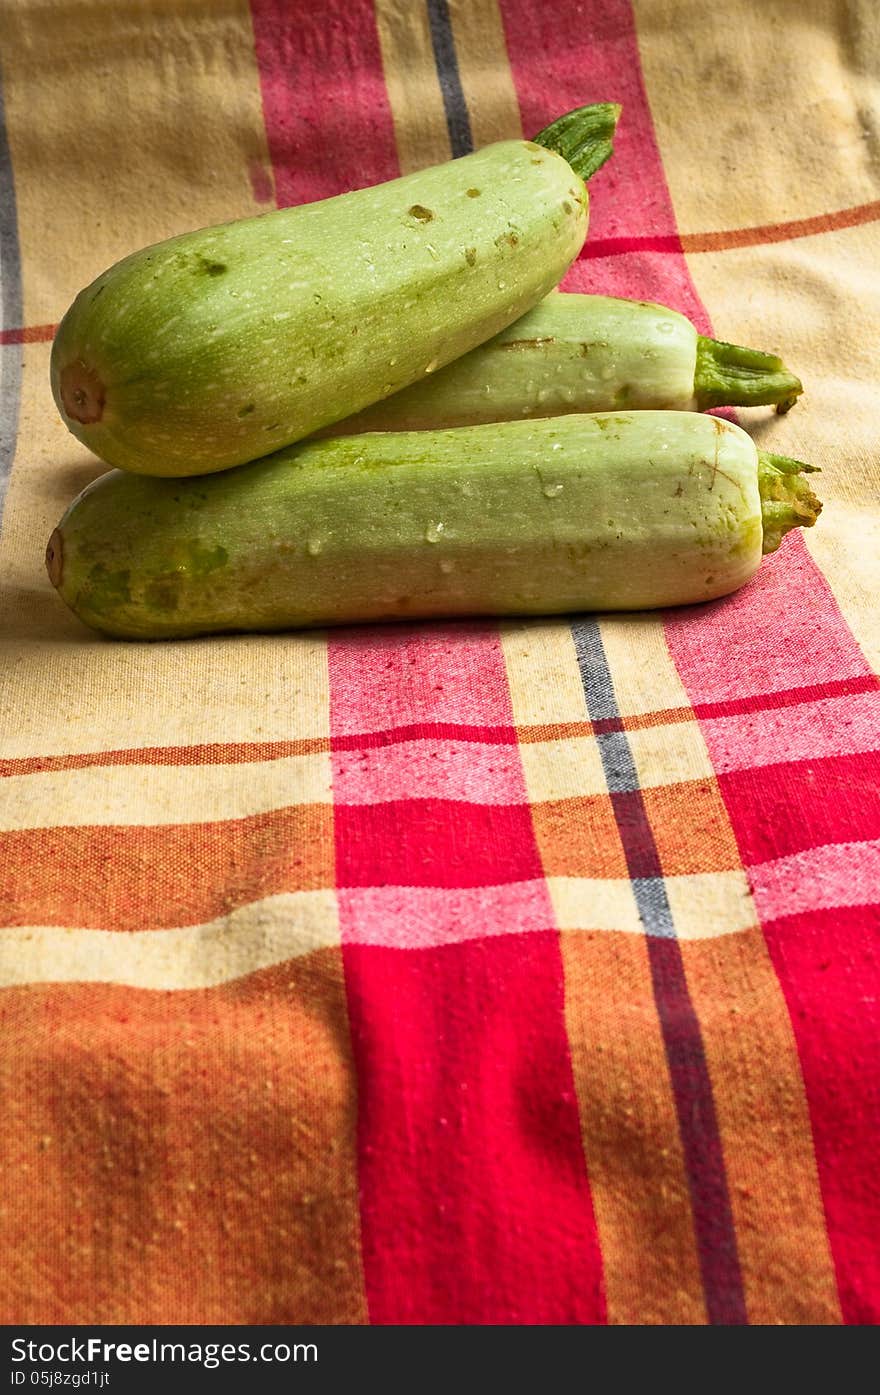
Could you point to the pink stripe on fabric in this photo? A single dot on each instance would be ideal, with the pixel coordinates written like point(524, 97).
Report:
point(565, 55)
point(434, 769)
point(406, 917)
point(808, 731)
point(637, 277)
point(783, 630)
point(474, 1197)
point(839, 874)
point(398, 675)
point(829, 965)
point(328, 120)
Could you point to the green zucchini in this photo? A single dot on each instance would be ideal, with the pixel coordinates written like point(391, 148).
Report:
point(220, 346)
point(585, 353)
point(612, 512)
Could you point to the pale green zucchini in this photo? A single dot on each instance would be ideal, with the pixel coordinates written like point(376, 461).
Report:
point(584, 353)
point(220, 346)
point(616, 512)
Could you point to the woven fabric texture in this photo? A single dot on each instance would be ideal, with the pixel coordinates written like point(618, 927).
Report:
point(455, 973)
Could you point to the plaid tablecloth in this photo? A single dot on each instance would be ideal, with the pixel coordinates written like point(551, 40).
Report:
point(465, 973)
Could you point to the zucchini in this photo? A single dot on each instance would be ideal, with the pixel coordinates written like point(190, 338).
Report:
point(220, 346)
point(585, 353)
point(612, 512)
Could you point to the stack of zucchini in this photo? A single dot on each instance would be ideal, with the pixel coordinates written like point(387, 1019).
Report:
point(478, 443)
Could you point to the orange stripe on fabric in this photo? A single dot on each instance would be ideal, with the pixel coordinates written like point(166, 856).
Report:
point(781, 232)
point(29, 334)
point(181, 1158)
point(561, 731)
point(788, 1273)
point(150, 878)
point(630, 1132)
point(221, 753)
point(691, 827)
point(578, 837)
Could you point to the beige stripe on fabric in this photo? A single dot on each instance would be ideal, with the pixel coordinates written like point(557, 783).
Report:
point(763, 1118)
point(545, 684)
point(704, 905)
point(817, 303)
point(645, 678)
point(246, 940)
point(412, 84)
point(768, 112)
point(140, 795)
point(569, 766)
point(166, 136)
point(484, 70)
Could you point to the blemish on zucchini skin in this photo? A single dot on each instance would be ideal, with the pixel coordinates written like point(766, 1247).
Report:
point(470, 256)
point(421, 214)
point(473, 193)
point(209, 267)
point(206, 559)
point(108, 589)
point(528, 343)
point(161, 595)
point(246, 410)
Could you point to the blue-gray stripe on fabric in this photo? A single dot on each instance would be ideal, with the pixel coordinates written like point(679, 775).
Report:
point(458, 120)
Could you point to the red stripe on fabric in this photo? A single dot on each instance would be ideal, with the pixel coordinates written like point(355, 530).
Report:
point(829, 965)
point(425, 731)
point(434, 842)
point(28, 334)
point(467, 1215)
point(475, 1203)
point(789, 697)
point(629, 200)
point(783, 809)
point(328, 122)
point(617, 246)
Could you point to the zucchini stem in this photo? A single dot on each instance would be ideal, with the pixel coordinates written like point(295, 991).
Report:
point(584, 137)
point(728, 375)
point(787, 501)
